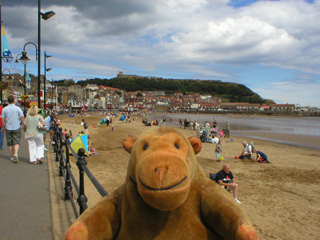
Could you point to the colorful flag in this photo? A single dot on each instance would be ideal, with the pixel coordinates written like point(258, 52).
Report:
point(6, 53)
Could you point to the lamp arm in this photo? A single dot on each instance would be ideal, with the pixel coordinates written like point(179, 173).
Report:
point(37, 52)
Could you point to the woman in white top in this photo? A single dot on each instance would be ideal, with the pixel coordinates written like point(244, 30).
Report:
point(34, 135)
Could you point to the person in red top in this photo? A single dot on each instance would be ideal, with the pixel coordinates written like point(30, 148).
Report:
point(1, 132)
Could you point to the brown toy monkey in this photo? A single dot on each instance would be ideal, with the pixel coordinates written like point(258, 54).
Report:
point(165, 196)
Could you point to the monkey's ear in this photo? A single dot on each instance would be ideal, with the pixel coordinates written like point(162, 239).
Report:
point(128, 142)
point(196, 144)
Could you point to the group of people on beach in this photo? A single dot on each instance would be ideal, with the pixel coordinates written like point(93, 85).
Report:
point(224, 177)
point(248, 151)
point(210, 133)
point(34, 125)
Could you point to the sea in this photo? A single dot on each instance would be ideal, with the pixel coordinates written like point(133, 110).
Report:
point(296, 131)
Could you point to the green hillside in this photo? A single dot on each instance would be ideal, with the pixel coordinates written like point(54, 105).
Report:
point(229, 92)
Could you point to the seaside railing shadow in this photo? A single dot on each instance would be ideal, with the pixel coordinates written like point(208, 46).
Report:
point(62, 151)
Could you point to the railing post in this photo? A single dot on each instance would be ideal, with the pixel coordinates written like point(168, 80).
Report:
point(61, 165)
point(68, 186)
point(55, 140)
point(82, 197)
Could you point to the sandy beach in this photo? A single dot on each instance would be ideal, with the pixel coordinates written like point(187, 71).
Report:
point(281, 198)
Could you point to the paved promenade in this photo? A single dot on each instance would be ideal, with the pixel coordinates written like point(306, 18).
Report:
point(30, 208)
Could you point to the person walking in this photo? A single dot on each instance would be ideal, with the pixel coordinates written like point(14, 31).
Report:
point(12, 117)
point(34, 135)
point(1, 132)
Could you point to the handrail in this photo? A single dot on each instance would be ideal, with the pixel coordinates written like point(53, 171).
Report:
point(62, 156)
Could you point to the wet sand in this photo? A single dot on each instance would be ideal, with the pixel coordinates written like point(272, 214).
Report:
point(281, 198)
point(306, 141)
point(296, 131)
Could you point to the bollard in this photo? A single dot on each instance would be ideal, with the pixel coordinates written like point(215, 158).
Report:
point(68, 186)
point(82, 199)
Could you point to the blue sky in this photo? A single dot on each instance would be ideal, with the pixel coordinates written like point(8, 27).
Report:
point(271, 46)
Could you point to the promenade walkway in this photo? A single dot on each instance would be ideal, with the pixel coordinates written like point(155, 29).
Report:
point(31, 198)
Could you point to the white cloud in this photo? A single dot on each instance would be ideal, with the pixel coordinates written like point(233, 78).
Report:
point(175, 38)
point(303, 93)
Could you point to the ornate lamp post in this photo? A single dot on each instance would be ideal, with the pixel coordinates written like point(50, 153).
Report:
point(24, 60)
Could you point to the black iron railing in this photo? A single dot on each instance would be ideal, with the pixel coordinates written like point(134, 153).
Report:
point(62, 150)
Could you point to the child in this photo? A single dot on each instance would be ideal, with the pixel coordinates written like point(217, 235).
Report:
point(218, 150)
point(262, 157)
point(221, 133)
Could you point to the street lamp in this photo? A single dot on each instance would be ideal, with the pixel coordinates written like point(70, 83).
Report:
point(9, 77)
point(24, 60)
point(17, 61)
point(52, 94)
point(44, 16)
point(45, 78)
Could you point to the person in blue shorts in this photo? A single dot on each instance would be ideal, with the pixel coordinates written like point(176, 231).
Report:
point(12, 118)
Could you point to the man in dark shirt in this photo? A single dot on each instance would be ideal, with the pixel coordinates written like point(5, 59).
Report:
point(226, 180)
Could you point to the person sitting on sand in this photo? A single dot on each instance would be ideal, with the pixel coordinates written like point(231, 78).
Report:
point(215, 139)
point(246, 152)
point(226, 180)
point(92, 150)
point(251, 145)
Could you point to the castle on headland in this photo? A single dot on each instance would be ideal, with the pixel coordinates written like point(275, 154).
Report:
point(132, 76)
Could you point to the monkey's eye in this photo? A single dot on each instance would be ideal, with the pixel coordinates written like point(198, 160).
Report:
point(145, 146)
point(177, 146)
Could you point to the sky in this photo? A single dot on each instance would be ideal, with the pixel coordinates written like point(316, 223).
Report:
point(271, 46)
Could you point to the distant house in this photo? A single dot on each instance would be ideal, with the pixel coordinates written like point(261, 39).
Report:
point(282, 107)
point(264, 107)
point(162, 106)
point(207, 107)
